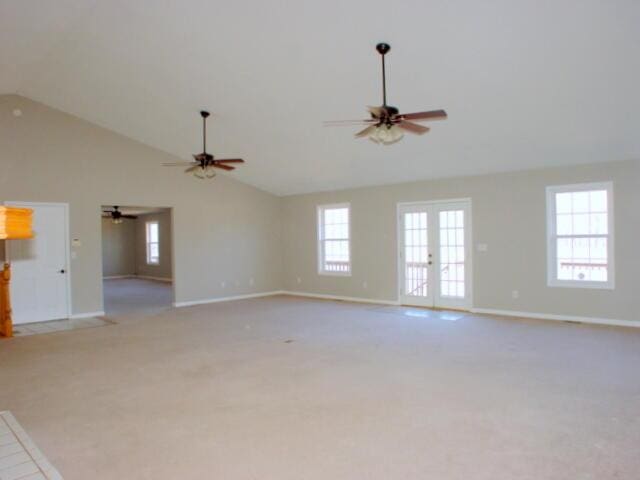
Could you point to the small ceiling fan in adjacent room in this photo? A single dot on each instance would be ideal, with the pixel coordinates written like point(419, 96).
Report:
point(116, 215)
point(387, 125)
point(204, 163)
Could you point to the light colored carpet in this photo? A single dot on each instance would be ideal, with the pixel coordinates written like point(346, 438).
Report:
point(136, 296)
point(291, 389)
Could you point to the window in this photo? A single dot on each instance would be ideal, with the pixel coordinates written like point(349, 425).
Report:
point(333, 240)
point(580, 235)
point(153, 244)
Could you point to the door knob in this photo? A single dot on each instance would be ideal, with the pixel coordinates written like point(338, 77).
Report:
point(62, 271)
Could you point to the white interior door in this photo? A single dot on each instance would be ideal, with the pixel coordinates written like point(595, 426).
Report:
point(39, 266)
point(434, 254)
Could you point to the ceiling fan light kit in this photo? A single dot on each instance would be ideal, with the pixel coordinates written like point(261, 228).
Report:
point(386, 134)
point(387, 125)
point(203, 164)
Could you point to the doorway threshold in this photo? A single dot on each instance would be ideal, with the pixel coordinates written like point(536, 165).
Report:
point(422, 312)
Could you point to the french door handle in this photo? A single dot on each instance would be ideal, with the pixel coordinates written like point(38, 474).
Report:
point(62, 271)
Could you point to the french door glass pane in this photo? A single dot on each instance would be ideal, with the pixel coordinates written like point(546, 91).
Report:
point(452, 261)
point(417, 252)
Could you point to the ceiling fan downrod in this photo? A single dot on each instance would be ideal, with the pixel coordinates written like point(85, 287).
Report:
point(204, 114)
point(383, 49)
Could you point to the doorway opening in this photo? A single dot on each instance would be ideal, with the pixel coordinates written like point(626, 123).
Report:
point(137, 260)
point(434, 254)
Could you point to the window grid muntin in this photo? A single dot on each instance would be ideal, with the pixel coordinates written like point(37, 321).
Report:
point(452, 254)
point(416, 247)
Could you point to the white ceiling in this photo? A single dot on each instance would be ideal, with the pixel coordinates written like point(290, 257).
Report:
point(526, 83)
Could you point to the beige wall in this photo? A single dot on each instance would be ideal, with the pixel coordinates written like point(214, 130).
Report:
point(224, 230)
point(164, 268)
point(118, 248)
point(508, 215)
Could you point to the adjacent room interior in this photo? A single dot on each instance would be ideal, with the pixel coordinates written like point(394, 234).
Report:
point(320, 240)
point(137, 261)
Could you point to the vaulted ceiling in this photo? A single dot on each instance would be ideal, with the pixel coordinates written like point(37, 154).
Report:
point(526, 84)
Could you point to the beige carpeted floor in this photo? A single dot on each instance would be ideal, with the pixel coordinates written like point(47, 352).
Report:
point(294, 389)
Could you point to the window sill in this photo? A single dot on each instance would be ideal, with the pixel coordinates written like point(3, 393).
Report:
point(581, 285)
point(335, 274)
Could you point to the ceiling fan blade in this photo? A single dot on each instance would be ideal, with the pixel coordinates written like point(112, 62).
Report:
point(431, 115)
point(229, 160)
point(366, 131)
point(176, 164)
point(375, 111)
point(413, 127)
point(129, 216)
point(338, 122)
point(222, 166)
point(192, 169)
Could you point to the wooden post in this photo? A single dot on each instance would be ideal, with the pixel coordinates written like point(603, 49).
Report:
point(6, 325)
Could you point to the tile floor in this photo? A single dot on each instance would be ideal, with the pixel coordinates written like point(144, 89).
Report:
point(20, 459)
point(25, 329)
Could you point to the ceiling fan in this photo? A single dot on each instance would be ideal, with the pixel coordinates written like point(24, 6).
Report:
point(387, 125)
point(204, 163)
point(116, 215)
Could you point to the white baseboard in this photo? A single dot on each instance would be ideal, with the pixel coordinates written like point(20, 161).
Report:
point(558, 318)
point(87, 315)
point(341, 298)
point(157, 279)
point(226, 299)
point(146, 277)
point(486, 311)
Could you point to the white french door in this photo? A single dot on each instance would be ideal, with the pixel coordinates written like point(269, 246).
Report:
point(40, 266)
point(434, 254)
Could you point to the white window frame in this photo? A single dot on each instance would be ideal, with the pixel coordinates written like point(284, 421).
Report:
point(552, 275)
point(320, 239)
point(148, 242)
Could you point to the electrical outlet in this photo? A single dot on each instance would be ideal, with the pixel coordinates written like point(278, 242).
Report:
point(365, 285)
point(223, 283)
point(515, 294)
point(237, 283)
point(299, 280)
point(251, 281)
